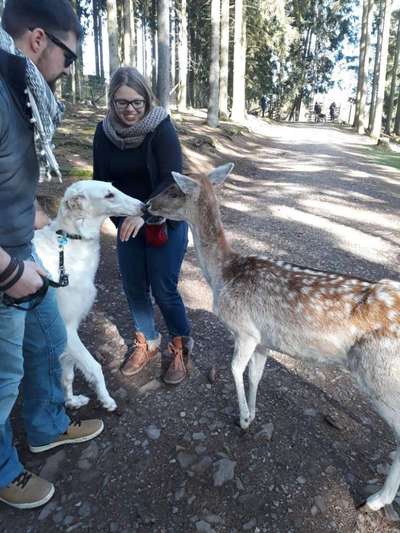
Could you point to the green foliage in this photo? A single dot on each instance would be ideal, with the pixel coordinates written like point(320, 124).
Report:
point(293, 47)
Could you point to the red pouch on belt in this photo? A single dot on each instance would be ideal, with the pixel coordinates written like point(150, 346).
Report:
point(156, 234)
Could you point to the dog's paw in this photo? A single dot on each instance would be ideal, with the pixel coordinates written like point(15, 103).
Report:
point(245, 423)
point(109, 404)
point(76, 402)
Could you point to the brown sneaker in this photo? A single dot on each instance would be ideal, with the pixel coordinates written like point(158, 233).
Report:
point(181, 364)
point(144, 351)
point(78, 431)
point(27, 491)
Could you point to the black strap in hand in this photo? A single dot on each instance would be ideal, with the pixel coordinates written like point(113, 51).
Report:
point(12, 265)
point(38, 295)
point(16, 277)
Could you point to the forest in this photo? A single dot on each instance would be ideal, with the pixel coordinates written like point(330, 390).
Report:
point(223, 55)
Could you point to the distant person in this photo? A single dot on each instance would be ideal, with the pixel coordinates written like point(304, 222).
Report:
point(263, 104)
point(332, 111)
point(317, 111)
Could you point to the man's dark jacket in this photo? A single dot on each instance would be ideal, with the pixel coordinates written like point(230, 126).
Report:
point(19, 170)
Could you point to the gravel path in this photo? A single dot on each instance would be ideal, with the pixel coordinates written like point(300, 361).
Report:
point(174, 461)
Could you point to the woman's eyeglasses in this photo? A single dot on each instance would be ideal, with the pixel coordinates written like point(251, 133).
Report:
point(69, 55)
point(122, 105)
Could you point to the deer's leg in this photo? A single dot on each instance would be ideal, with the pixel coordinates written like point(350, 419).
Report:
point(256, 369)
point(374, 361)
point(389, 490)
point(90, 368)
point(244, 348)
point(71, 400)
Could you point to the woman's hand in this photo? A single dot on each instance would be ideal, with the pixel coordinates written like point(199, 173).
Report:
point(130, 228)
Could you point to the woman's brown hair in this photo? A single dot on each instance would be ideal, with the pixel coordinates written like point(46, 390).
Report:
point(132, 78)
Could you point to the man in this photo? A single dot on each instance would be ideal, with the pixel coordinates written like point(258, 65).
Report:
point(317, 111)
point(263, 104)
point(38, 44)
point(332, 111)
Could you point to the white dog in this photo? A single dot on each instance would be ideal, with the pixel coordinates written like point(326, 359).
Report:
point(83, 209)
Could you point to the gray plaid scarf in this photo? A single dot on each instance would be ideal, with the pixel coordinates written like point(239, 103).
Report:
point(125, 137)
point(47, 111)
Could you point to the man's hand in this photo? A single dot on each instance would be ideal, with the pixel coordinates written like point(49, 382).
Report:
point(130, 228)
point(29, 283)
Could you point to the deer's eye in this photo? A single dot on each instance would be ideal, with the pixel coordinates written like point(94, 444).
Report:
point(110, 195)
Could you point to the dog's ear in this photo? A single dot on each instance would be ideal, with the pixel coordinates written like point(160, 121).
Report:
point(75, 203)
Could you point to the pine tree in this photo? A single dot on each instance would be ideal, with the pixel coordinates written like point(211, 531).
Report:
point(377, 122)
point(239, 63)
point(163, 71)
point(182, 55)
point(362, 86)
point(389, 114)
point(224, 60)
point(213, 99)
point(112, 25)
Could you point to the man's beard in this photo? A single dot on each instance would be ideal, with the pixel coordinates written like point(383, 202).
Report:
point(53, 84)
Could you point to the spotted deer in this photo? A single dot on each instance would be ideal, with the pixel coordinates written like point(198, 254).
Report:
point(304, 313)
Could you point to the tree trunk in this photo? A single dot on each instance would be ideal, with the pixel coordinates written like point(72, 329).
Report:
point(182, 56)
point(239, 63)
point(362, 86)
point(224, 62)
point(154, 59)
point(96, 36)
point(372, 108)
point(172, 47)
point(101, 48)
point(389, 115)
point(377, 123)
point(112, 25)
point(213, 98)
point(163, 77)
point(397, 119)
point(129, 32)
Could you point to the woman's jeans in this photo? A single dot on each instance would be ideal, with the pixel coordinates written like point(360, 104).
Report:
point(31, 343)
point(143, 267)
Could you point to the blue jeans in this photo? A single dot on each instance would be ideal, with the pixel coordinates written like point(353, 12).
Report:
point(143, 266)
point(30, 346)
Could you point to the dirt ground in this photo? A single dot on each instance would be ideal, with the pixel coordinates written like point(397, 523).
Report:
point(173, 460)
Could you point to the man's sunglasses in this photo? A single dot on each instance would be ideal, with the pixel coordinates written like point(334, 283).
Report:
point(69, 55)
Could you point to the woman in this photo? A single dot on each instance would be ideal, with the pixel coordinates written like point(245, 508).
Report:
point(136, 148)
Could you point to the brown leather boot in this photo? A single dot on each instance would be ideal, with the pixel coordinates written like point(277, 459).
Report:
point(181, 364)
point(142, 354)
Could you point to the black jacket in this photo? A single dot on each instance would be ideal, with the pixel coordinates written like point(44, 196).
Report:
point(19, 170)
point(161, 154)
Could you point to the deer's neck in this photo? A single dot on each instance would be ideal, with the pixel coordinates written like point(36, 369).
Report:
point(212, 247)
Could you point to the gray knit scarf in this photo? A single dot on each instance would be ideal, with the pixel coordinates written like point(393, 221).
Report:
point(125, 137)
point(46, 110)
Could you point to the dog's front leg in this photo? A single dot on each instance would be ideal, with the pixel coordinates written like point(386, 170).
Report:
point(68, 373)
point(90, 368)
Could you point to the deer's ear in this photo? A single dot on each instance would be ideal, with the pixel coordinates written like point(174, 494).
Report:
point(187, 185)
point(219, 174)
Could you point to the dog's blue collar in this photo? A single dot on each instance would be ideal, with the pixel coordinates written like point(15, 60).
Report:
point(66, 235)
